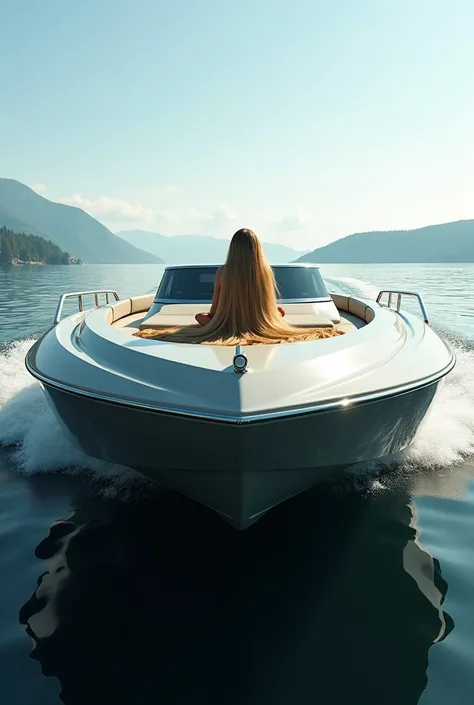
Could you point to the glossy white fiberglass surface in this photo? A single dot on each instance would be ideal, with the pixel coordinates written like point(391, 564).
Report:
point(393, 350)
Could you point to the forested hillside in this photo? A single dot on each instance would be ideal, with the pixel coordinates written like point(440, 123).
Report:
point(19, 248)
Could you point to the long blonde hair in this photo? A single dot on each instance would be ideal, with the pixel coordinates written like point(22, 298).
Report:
point(247, 312)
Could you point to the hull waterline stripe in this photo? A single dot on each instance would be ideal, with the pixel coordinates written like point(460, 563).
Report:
point(344, 403)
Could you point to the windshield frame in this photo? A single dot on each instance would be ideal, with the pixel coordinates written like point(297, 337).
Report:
point(160, 299)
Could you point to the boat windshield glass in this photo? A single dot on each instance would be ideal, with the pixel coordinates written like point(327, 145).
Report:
point(196, 284)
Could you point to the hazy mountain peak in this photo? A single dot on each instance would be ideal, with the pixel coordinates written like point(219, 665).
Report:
point(443, 242)
point(69, 227)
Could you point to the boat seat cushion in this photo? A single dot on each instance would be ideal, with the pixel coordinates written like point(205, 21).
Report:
point(369, 314)
point(183, 315)
point(310, 319)
point(142, 303)
point(353, 306)
point(125, 307)
point(121, 309)
point(341, 301)
point(357, 308)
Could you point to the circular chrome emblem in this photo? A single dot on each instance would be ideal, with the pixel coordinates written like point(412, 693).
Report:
point(240, 362)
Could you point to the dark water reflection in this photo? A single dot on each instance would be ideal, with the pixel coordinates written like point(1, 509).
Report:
point(327, 599)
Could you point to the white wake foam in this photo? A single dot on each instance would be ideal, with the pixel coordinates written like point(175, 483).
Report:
point(446, 437)
point(28, 425)
point(447, 434)
point(350, 285)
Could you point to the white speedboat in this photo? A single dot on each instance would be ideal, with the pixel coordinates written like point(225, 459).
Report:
point(240, 430)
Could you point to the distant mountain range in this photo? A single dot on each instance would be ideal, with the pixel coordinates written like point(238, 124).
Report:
point(75, 231)
point(448, 242)
point(72, 229)
point(198, 249)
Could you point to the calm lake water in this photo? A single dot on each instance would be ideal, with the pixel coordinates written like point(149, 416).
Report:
point(113, 592)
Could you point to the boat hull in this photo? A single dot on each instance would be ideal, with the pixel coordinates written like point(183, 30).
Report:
point(241, 470)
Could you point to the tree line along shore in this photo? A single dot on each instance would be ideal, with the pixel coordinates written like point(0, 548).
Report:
point(21, 248)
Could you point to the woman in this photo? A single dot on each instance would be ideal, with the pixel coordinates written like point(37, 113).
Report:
point(244, 308)
point(204, 318)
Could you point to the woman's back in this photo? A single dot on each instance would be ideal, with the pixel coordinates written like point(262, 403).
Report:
point(244, 308)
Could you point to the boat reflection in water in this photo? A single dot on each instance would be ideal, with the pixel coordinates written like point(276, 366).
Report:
point(327, 598)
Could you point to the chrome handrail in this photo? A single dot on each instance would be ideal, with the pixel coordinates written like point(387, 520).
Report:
point(399, 295)
point(78, 295)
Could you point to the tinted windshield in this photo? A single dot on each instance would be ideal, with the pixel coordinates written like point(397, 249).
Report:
point(193, 284)
point(197, 284)
point(300, 283)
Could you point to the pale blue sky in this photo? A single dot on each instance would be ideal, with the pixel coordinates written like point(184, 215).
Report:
point(304, 119)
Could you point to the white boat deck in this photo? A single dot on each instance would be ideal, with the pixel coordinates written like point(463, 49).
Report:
point(95, 349)
point(349, 322)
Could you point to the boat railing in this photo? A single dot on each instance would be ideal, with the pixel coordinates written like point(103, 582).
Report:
point(399, 294)
point(79, 295)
